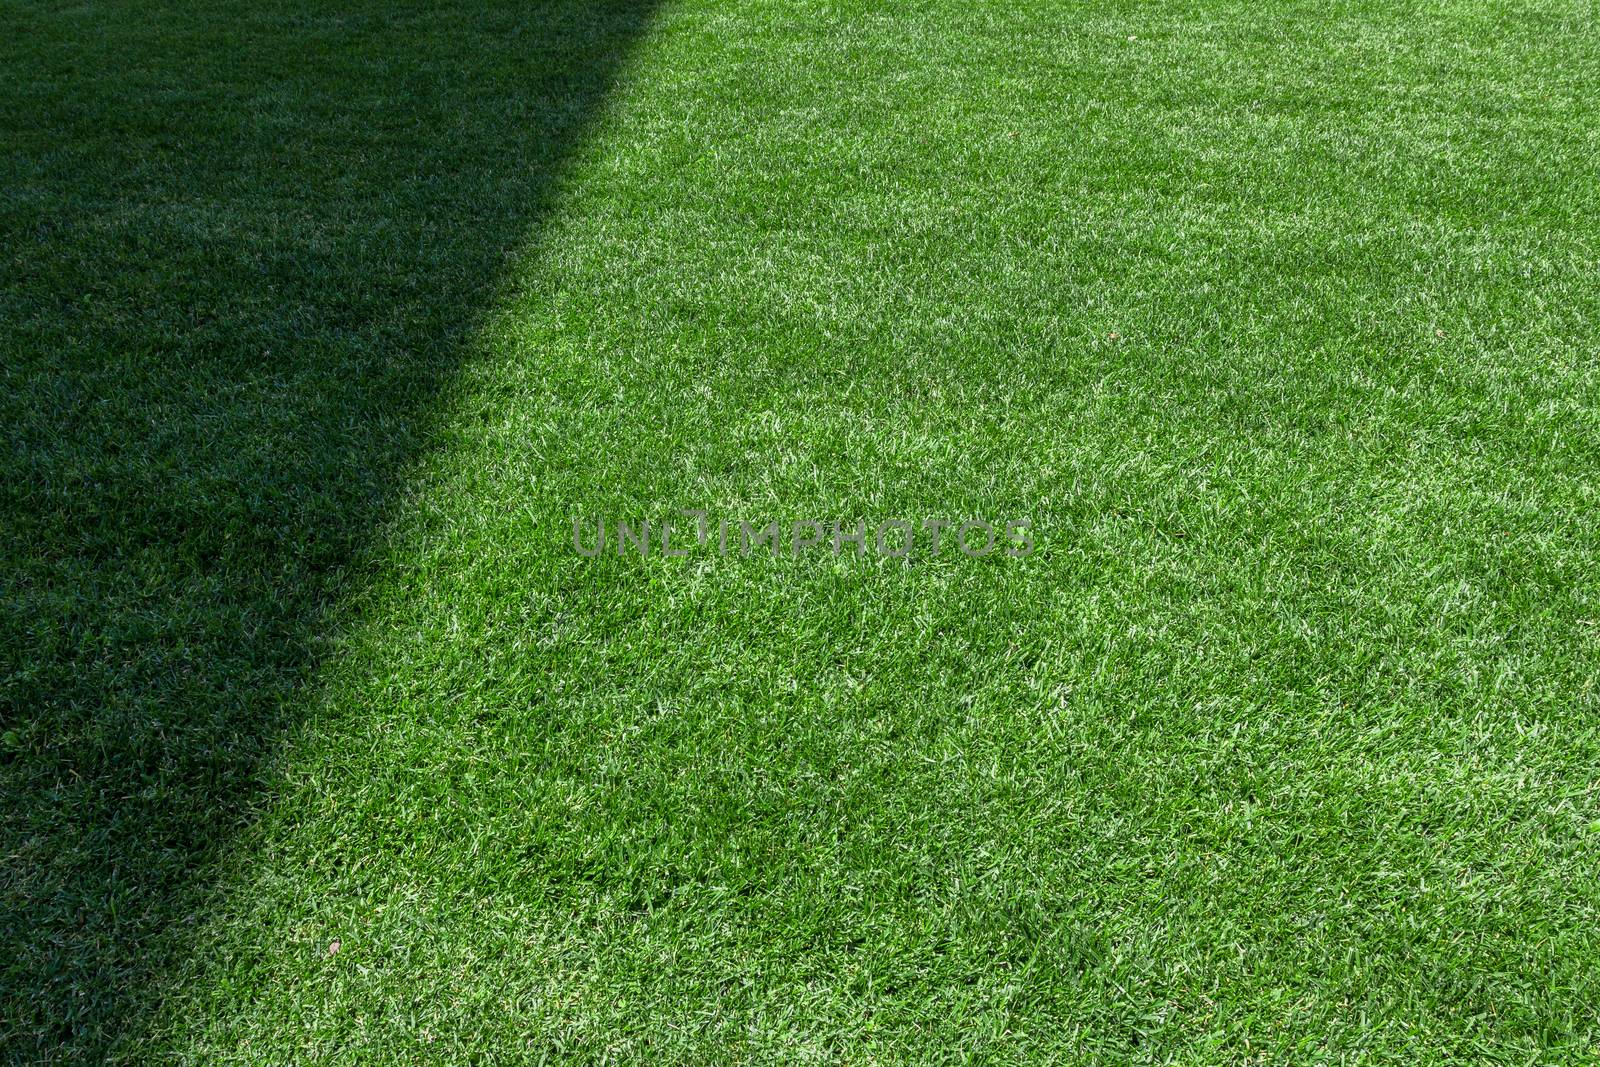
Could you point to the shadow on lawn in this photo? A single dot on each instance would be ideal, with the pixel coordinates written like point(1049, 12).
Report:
point(242, 248)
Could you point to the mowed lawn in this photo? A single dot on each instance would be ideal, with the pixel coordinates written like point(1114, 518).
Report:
point(1279, 321)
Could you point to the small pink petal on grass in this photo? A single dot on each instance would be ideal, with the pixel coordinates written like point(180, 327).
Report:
point(333, 948)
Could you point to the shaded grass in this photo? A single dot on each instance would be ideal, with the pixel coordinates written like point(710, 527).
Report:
point(1279, 323)
point(243, 248)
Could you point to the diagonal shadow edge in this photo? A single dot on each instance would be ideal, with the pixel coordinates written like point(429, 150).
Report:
point(248, 250)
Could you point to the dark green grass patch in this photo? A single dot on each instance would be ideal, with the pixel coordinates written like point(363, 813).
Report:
point(1279, 323)
point(241, 250)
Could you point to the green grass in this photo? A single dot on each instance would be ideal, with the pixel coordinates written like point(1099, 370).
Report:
point(1279, 321)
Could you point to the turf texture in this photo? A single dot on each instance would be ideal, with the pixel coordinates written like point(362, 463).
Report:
point(321, 326)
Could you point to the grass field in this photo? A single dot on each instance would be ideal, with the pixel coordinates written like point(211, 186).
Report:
point(1279, 321)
